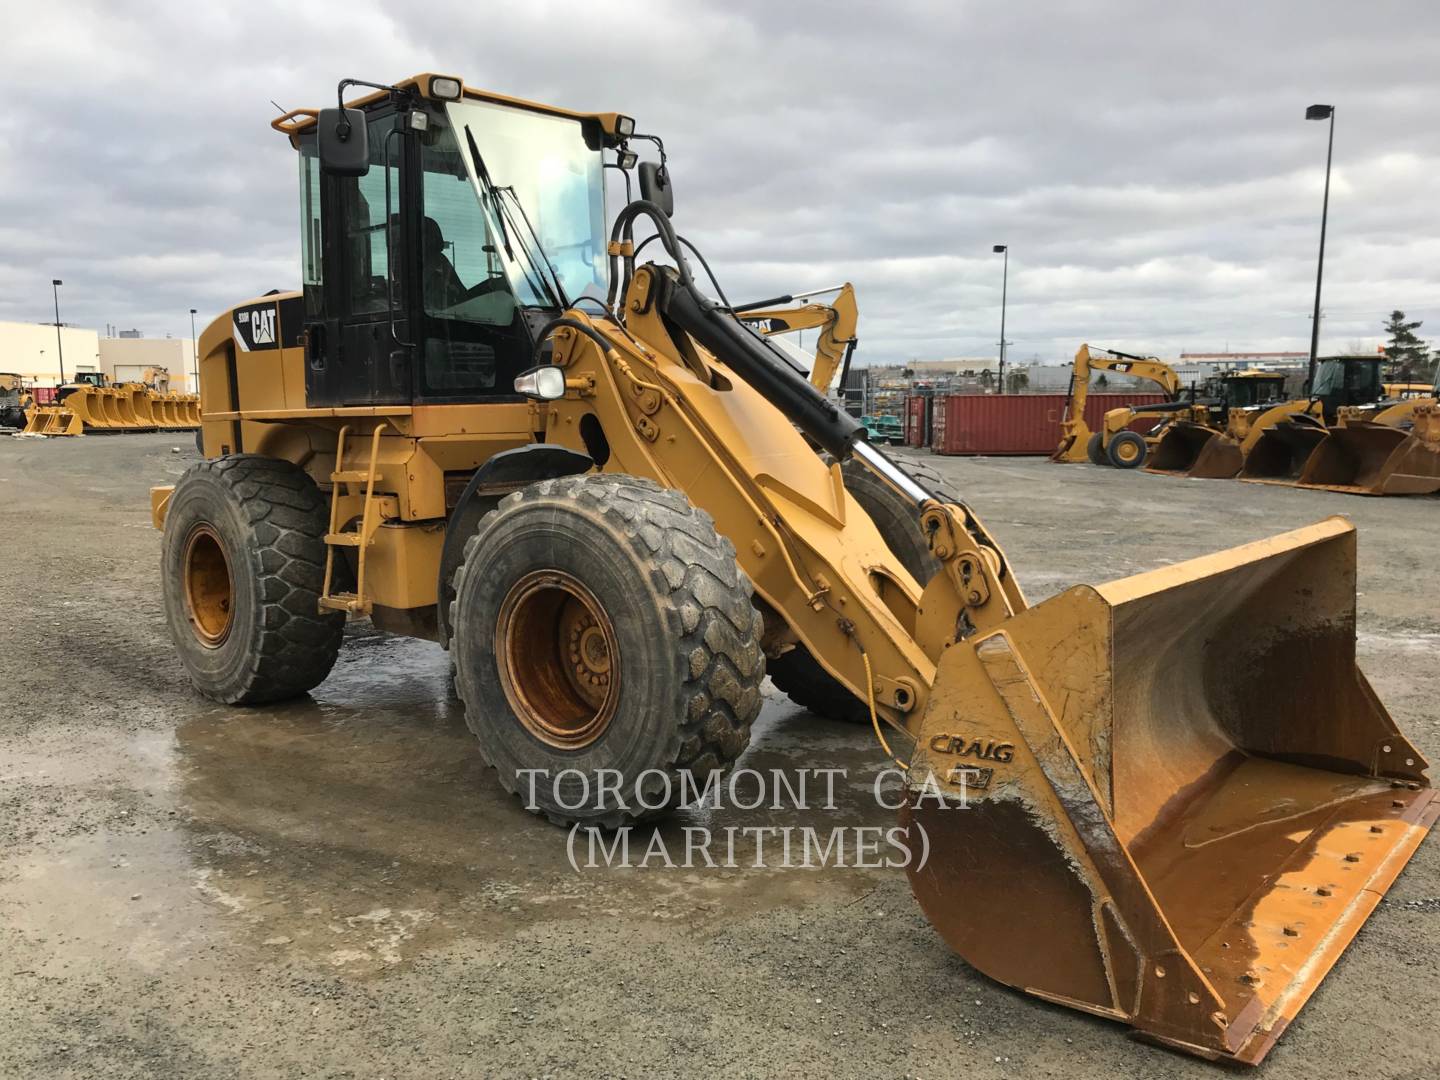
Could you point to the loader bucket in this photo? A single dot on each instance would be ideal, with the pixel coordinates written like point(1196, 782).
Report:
point(1375, 459)
point(1182, 796)
point(142, 403)
point(1280, 454)
point(1179, 447)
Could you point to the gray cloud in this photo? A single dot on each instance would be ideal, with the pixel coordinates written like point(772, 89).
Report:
point(1148, 164)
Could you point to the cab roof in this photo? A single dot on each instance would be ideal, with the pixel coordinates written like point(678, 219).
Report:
point(297, 121)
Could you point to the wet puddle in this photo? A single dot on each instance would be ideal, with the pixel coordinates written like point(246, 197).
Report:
point(359, 827)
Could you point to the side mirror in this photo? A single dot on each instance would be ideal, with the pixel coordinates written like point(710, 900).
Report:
point(343, 142)
point(655, 186)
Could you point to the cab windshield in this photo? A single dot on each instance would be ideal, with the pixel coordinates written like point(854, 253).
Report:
point(545, 191)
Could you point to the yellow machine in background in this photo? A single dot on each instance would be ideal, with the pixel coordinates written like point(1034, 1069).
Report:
point(836, 321)
point(15, 399)
point(91, 405)
point(1393, 449)
point(1114, 444)
point(1282, 443)
point(1215, 447)
point(618, 515)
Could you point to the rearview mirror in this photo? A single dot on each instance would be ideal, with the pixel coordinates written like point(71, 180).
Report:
point(343, 142)
point(655, 186)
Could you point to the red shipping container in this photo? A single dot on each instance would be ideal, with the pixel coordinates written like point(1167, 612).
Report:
point(917, 420)
point(1016, 423)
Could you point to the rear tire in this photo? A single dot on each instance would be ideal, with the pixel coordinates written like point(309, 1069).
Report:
point(243, 567)
point(798, 673)
point(1127, 450)
point(601, 623)
point(1095, 449)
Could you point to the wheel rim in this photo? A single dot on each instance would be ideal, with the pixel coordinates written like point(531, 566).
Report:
point(558, 659)
point(209, 586)
point(1126, 451)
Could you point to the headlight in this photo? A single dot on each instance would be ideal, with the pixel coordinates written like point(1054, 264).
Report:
point(626, 158)
point(546, 383)
point(445, 88)
point(624, 126)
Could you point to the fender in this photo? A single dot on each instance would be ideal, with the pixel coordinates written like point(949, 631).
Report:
point(505, 472)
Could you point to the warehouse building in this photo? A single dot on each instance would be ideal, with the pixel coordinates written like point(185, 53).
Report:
point(31, 351)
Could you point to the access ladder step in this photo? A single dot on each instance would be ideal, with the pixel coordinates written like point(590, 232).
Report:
point(345, 539)
point(349, 476)
point(347, 602)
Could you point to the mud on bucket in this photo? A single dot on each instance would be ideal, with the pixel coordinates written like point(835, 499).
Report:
point(1181, 796)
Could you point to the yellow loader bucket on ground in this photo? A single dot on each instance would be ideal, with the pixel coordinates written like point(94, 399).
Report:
point(1182, 798)
point(1280, 454)
point(1376, 459)
point(1183, 444)
point(52, 420)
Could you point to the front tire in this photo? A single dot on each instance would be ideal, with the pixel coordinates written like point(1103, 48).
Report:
point(243, 568)
point(601, 623)
point(1095, 449)
point(1127, 450)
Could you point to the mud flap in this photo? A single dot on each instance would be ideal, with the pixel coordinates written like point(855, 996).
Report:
point(1171, 800)
point(1374, 459)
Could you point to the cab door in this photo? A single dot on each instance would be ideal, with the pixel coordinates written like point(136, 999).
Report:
point(357, 323)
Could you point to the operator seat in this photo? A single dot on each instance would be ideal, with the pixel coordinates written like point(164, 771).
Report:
point(442, 285)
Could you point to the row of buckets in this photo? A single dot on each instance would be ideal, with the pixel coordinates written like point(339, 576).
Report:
point(1004, 423)
point(127, 407)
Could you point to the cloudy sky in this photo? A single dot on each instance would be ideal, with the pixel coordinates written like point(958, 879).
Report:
point(1148, 163)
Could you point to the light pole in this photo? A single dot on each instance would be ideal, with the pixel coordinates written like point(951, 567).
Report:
point(1003, 249)
point(1320, 112)
point(55, 284)
point(194, 351)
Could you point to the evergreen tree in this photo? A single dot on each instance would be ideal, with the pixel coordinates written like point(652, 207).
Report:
point(1405, 354)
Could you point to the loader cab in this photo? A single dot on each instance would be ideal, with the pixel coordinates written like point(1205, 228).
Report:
point(1252, 389)
point(1347, 380)
point(426, 277)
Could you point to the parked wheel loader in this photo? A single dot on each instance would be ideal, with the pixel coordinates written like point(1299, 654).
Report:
point(1170, 800)
point(1394, 450)
point(1246, 404)
point(1115, 444)
point(1280, 453)
point(15, 400)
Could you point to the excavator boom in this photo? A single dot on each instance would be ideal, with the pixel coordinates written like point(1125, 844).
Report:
point(837, 322)
point(1075, 433)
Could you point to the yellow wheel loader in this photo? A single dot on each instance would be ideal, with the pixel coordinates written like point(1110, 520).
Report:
point(1284, 446)
point(837, 321)
point(1170, 800)
point(15, 400)
point(1394, 450)
point(1214, 448)
point(1114, 444)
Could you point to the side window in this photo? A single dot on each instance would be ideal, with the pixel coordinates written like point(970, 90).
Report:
point(367, 260)
point(462, 276)
point(311, 259)
point(473, 339)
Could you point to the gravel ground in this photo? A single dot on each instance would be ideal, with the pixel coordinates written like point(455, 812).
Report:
point(335, 888)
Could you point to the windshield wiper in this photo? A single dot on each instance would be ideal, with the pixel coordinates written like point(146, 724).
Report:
point(536, 279)
point(534, 248)
point(490, 192)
